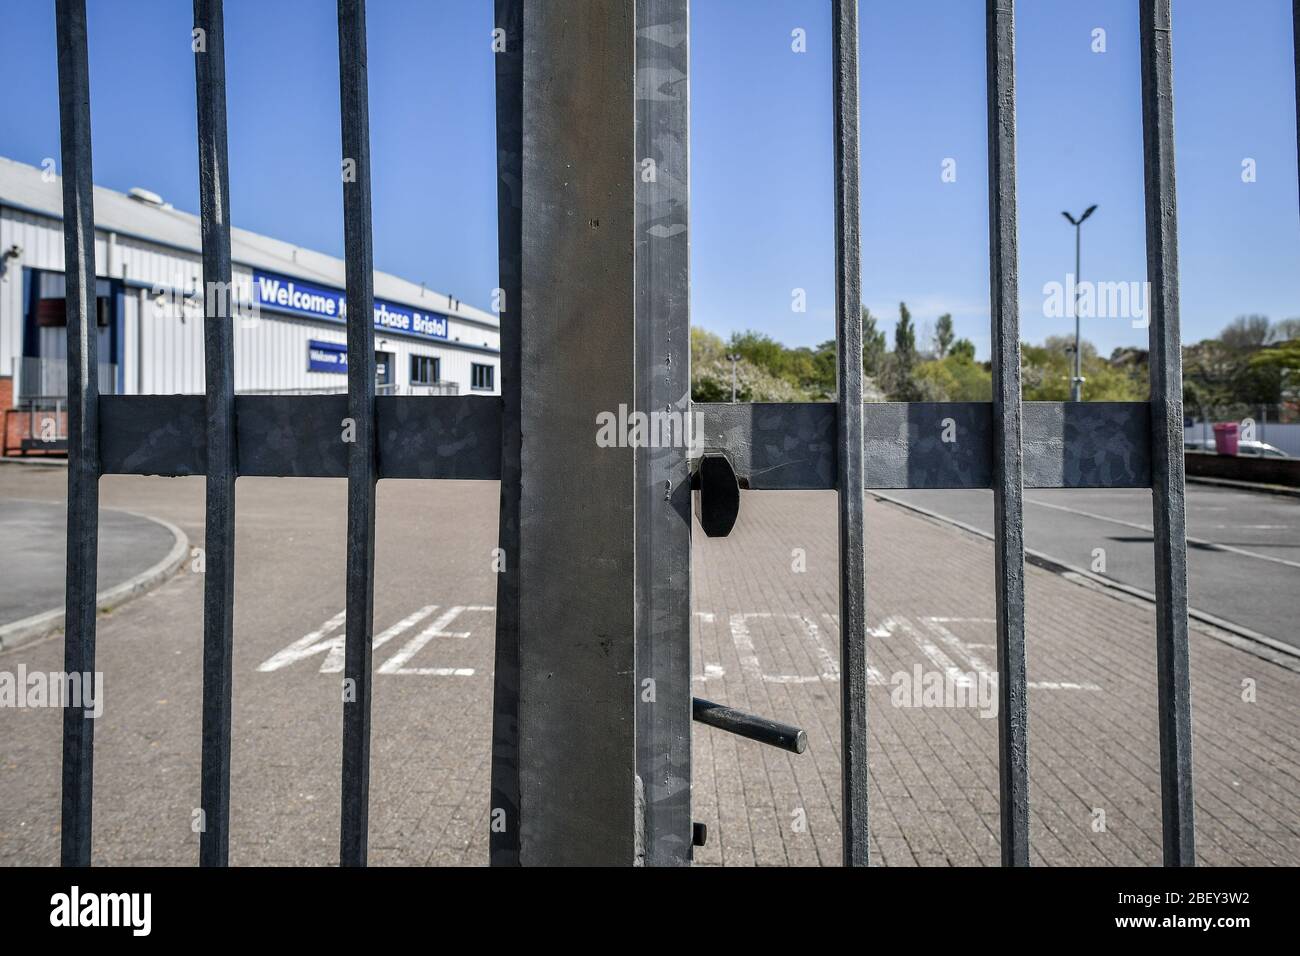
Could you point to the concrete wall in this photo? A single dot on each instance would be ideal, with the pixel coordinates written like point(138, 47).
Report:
point(1268, 471)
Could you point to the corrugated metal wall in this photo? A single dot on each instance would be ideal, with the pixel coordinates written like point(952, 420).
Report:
point(39, 244)
point(162, 342)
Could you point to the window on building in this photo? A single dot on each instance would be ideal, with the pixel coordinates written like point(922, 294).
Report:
point(481, 377)
point(424, 369)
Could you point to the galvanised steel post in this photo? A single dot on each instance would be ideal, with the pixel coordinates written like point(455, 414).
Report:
point(83, 421)
point(219, 380)
point(503, 827)
point(850, 479)
point(362, 465)
point(578, 794)
point(1169, 519)
point(1008, 456)
point(663, 470)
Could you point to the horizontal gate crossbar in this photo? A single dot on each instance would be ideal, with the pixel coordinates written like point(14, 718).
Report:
point(301, 436)
point(934, 444)
point(773, 447)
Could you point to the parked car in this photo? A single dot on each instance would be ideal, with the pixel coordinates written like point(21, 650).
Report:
point(1251, 449)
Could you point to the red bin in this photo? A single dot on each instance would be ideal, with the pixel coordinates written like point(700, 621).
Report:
point(1225, 438)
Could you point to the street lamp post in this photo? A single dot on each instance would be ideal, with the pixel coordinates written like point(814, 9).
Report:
point(1076, 382)
point(733, 358)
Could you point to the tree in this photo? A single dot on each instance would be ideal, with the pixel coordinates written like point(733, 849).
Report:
point(1284, 356)
point(943, 335)
point(1246, 332)
point(1045, 372)
point(762, 350)
point(956, 378)
point(900, 377)
point(825, 372)
point(1282, 360)
point(1210, 373)
point(873, 344)
point(905, 337)
point(711, 382)
point(1244, 367)
point(963, 348)
point(1285, 330)
point(766, 371)
point(705, 346)
point(925, 342)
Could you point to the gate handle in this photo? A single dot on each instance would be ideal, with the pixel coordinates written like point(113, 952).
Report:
point(748, 725)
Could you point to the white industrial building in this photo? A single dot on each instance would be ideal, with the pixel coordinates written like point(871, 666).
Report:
point(289, 337)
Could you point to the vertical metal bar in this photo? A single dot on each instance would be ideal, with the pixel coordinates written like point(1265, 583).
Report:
point(358, 430)
point(1169, 519)
point(577, 710)
point(1008, 540)
point(83, 421)
point(663, 477)
point(851, 476)
point(219, 375)
point(503, 833)
point(1295, 53)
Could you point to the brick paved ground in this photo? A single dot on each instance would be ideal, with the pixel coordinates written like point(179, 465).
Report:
point(765, 640)
point(933, 771)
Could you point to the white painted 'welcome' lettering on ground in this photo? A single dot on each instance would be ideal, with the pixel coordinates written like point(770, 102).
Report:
point(329, 638)
point(931, 636)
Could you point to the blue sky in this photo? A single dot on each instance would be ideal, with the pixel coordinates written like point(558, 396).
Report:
point(761, 192)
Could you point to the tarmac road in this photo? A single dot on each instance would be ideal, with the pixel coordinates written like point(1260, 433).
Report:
point(1243, 553)
point(34, 539)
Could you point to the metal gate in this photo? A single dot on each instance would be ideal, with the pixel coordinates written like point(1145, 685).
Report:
point(591, 759)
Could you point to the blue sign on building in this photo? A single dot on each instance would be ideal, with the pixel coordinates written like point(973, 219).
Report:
point(327, 356)
point(318, 302)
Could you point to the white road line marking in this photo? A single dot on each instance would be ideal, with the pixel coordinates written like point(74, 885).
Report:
point(830, 668)
point(1213, 545)
point(959, 677)
point(316, 642)
point(1263, 527)
point(749, 665)
point(396, 663)
point(306, 646)
point(874, 677)
point(956, 643)
point(711, 672)
point(744, 642)
point(334, 661)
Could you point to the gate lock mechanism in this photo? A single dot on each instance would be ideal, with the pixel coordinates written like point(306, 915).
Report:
point(717, 495)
